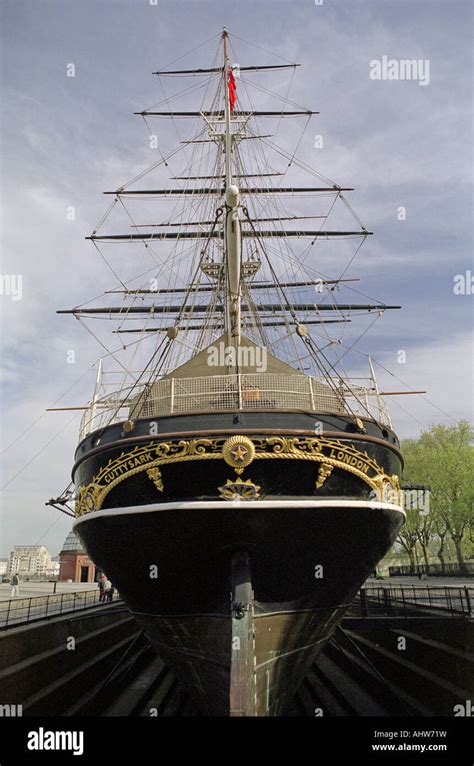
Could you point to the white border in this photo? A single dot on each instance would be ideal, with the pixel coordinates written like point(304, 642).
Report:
point(200, 505)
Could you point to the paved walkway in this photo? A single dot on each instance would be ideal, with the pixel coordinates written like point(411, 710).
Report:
point(28, 588)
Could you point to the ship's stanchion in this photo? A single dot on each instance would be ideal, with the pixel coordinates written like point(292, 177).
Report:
point(242, 700)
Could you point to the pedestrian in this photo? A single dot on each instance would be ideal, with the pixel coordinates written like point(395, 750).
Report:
point(110, 593)
point(102, 581)
point(15, 583)
point(107, 590)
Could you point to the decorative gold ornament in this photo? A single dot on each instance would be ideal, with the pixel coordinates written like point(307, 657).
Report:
point(139, 459)
point(155, 475)
point(325, 471)
point(87, 498)
point(238, 452)
point(238, 488)
point(388, 489)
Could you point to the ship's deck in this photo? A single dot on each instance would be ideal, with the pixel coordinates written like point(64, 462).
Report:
point(238, 392)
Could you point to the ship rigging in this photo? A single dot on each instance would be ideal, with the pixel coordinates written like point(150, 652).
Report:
point(236, 453)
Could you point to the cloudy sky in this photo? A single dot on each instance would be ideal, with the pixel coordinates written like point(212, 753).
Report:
point(65, 139)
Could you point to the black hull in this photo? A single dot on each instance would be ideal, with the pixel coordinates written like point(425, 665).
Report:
point(238, 596)
point(305, 566)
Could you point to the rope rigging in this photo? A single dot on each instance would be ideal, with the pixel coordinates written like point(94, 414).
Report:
point(283, 264)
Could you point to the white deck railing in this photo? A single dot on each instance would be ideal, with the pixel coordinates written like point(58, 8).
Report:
point(265, 391)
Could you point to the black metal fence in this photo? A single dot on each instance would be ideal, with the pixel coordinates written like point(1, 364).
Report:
point(412, 600)
point(20, 611)
point(433, 570)
point(371, 601)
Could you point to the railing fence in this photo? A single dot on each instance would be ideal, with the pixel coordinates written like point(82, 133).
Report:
point(21, 611)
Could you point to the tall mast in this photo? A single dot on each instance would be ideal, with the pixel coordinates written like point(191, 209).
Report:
point(233, 237)
point(228, 137)
point(224, 260)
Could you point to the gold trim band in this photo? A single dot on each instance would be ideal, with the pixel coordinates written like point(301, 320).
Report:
point(237, 451)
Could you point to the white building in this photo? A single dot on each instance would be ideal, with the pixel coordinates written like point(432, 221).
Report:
point(29, 561)
point(3, 566)
point(53, 571)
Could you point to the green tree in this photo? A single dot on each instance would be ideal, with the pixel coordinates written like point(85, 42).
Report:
point(443, 459)
point(441, 532)
point(408, 536)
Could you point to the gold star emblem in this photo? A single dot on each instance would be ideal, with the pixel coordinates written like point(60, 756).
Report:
point(238, 452)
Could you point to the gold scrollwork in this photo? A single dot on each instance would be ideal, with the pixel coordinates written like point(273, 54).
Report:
point(238, 451)
point(155, 475)
point(324, 472)
point(284, 445)
point(87, 498)
point(388, 488)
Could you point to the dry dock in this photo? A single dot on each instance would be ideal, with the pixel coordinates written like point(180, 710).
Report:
point(402, 650)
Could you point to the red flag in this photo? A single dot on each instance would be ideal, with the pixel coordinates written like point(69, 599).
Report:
point(232, 90)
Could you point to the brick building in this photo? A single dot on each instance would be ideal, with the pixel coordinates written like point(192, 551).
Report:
point(75, 564)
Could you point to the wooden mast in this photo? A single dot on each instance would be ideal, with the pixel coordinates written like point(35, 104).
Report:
point(233, 236)
point(228, 139)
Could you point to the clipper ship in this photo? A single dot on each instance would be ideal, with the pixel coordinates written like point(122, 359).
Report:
point(232, 481)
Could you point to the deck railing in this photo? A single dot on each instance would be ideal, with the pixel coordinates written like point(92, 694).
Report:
point(265, 391)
